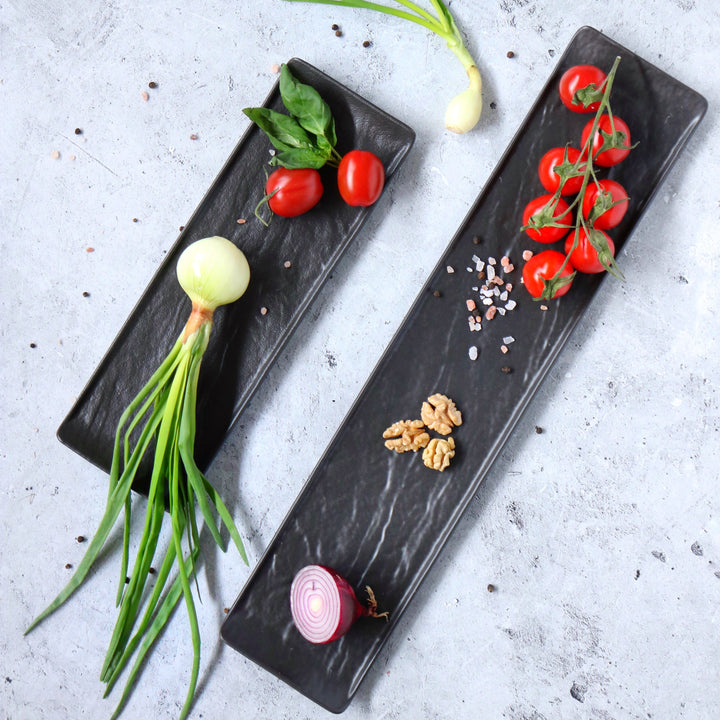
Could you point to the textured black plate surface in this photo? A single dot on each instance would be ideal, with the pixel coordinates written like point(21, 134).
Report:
point(381, 518)
point(244, 342)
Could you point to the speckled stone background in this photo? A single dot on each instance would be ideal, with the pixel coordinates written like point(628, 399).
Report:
point(600, 534)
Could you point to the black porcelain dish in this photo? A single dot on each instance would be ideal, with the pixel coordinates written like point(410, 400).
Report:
point(245, 341)
point(381, 518)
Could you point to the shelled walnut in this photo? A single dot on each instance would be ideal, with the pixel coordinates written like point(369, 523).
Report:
point(440, 414)
point(406, 435)
point(438, 453)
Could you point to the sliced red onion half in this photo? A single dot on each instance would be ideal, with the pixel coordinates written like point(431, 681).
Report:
point(323, 604)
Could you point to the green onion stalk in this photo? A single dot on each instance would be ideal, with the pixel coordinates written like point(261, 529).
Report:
point(463, 112)
point(212, 272)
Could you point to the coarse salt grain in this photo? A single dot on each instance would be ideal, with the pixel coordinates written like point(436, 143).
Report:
point(274, 68)
point(501, 310)
point(490, 314)
point(508, 339)
point(508, 287)
point(504, 295)
point(543, 307)
point(263, 311)
point(487, 301)
point(473, 352)
point(492, 261)
point(504, 260)
point(450, 269)
point(144, 96)
point(510, 305)
point(504, 349)
point(287, 264)
point(241, 221)
point(193, 136)
point(470, 304)
point(527, 254)
point(469, 269)
point(490, 272)
point(509, 268)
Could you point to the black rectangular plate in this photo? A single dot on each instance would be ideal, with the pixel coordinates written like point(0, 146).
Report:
point(381, 518)
point(244, 342)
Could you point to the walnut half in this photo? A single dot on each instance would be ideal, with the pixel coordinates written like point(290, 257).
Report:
point(440, 414)
point(406, 435)
point(438, 453)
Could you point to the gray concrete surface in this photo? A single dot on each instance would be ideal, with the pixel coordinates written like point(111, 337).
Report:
point(601, 535)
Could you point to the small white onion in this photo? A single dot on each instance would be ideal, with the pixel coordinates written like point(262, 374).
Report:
point(213, 272)
point(464, 110)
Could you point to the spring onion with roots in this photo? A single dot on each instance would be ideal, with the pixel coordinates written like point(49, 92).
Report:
point(324, 606)
point(464, 110)
point(212, 272)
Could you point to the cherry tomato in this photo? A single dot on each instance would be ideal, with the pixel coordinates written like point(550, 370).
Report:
point(293, 192)
point(538, 214)
point(550, 178)
point(597, 201)
point(585, 257)
point(619, 141)
point(361, 177)
point(544, 266)
point(577, 78)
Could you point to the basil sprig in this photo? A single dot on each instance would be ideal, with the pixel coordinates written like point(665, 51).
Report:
point(306, 137)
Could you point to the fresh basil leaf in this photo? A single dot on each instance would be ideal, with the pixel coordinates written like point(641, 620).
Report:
point(295, 158)
point(305, 104)
point(283, 131)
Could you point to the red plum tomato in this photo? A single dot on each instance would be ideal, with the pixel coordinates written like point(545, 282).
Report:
point(602, 195)
point(577, 78)
point(550, 179)
point(613, 155)
point(584, 257)
point(544, 266)
point(293, 192)
point(538, 214)
point(361, 178)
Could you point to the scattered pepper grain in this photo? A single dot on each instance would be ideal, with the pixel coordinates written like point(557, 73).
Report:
point(335, 26)
point(366, 43)
point(491, 588)
point(538, 430)
point(152, 84)
point(338, 33)
point(33, 345)
point(78, 131)
point(437, 293)
point(193, 136)
point(68, 566)
point(80, 538)
point(510, 54)
point(86, 293)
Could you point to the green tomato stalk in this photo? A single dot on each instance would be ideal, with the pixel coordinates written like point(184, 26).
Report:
point(463, 112)
point(213, 272)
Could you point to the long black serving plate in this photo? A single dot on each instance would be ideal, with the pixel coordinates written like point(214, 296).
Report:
point(245, 341)
point(381, 518)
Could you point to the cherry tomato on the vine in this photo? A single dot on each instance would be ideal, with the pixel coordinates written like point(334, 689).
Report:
point(361, 178)
point(543, 267)
point(599, 206)
point(560, 159)
point(293, 192)
point(617, 135)
point(539, 212)
point(584, 257)
point(577, 78)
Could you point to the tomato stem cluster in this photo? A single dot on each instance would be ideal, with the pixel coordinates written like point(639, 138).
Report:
point(555, 212)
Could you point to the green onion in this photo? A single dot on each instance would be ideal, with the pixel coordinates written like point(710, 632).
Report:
point(212, 272)
point(463, 112)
